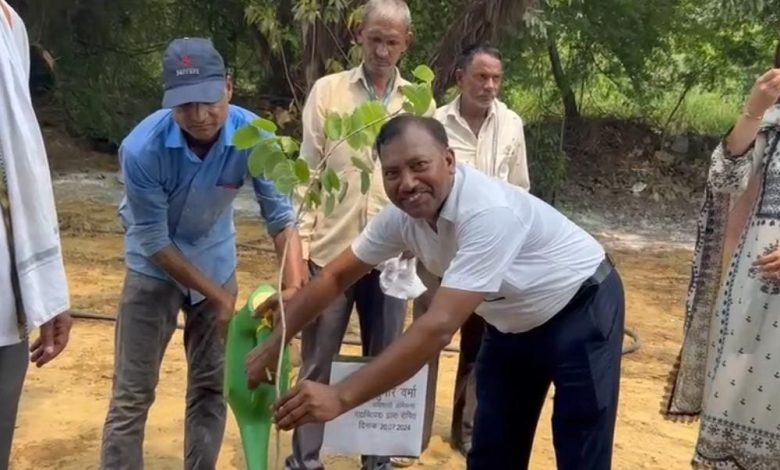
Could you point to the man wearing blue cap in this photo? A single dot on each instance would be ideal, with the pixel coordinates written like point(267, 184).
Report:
point(181, 175)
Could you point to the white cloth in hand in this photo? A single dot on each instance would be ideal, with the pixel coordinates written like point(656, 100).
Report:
point(399, 278)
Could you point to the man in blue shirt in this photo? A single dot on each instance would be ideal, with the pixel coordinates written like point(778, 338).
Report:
point(181, 175)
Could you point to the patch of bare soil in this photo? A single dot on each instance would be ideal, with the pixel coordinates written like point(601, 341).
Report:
point(621, 185)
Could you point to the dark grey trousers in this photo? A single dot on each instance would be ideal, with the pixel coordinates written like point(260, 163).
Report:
point(381, 322)
point(13, 368)
point(145, 323)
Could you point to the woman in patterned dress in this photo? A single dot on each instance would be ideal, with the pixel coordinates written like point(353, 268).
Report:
point(729, 367)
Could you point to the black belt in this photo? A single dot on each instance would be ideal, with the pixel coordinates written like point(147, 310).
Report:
point(602, 272)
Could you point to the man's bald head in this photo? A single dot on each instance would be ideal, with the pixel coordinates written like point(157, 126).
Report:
point(397, 126)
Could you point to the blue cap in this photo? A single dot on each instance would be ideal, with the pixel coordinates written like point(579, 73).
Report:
point(193, 72)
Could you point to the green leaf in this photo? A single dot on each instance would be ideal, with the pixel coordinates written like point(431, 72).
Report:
point(424, 73)
point(331, 181)
point(246, 138)
point(301, 168)
point(330, 204)
point(370, 115)
point(362, 166)
point(365, 182)
point(359, 140)
point(365, 122)
point(334, 126)
point(343, 192)
point(283, 170)
point(283, 176)
point(313, 199)
point(419, 98)
point(265, 124)
point(264, 158)
point(289, 145)
point(325, 182)
point(256, 162)
point(285, 186)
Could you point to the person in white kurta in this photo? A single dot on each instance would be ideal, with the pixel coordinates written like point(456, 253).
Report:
point(33, 290)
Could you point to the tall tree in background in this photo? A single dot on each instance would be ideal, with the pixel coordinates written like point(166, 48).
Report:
point(107, 53)
point(481, 20)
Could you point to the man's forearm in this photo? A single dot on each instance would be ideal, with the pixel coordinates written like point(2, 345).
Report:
point(320, 292)
point(173, 262)
point(399, 362)
point(293, 269)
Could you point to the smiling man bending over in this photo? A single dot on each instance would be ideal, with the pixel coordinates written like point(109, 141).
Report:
point(552, 301)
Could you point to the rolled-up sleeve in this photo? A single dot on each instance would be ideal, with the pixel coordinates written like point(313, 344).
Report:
point(147, 202)
point(488, 243)
point(275, 208)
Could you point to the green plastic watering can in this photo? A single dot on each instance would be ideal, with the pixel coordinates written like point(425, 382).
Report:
point(252, 408)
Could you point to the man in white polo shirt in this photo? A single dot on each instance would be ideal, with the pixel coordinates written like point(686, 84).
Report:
point(552, 301)
point(485, 134)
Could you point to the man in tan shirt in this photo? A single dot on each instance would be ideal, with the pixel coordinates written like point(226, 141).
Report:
point(483, 133)
point(384, 36)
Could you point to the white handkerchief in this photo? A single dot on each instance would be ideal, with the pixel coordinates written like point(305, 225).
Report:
point(399, 278)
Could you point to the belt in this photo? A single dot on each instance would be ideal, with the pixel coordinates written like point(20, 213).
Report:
point(602, 271)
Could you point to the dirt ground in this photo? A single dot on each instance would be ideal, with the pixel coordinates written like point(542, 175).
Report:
point(64, 404)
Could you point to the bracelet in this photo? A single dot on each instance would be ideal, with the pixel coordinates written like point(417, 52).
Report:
point(750, 116)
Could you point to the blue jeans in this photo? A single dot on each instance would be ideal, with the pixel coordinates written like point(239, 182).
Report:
point(579, 350)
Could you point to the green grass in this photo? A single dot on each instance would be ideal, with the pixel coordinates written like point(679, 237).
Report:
point(702, 112)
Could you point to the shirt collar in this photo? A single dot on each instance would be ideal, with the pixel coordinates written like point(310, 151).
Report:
point(357, 74)
point(174, 137)
point(449, 210)
point(453, 109)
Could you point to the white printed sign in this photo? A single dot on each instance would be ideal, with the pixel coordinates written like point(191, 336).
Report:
point(388, 425)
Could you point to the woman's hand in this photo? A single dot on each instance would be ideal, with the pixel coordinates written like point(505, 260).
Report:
point(764, 94)
point(769, 265)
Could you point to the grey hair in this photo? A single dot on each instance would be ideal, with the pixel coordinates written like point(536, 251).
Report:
point(393, 9)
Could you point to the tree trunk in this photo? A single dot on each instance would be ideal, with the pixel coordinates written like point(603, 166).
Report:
point(571, 110)
point(481, 21)
point(322, 42)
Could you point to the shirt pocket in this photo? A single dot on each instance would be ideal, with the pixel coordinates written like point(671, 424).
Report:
point(230, 182)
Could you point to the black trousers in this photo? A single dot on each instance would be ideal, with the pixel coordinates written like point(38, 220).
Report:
point(578, 350)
